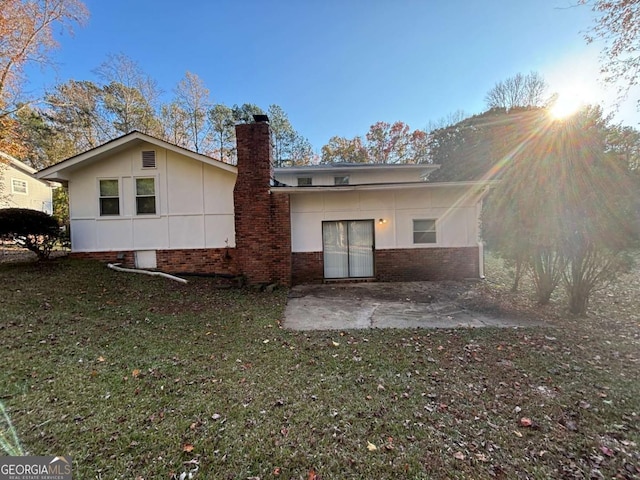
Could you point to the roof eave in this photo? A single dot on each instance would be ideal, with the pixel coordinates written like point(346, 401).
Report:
point(60, 171)
point(480, 185)
point(362, 166)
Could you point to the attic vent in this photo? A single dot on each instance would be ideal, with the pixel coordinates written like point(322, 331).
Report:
point(149, 159)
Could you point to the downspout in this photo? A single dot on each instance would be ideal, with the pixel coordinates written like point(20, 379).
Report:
point(116, 267)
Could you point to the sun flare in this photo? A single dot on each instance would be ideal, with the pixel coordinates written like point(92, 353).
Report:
point(567, 104)
point(572, 97)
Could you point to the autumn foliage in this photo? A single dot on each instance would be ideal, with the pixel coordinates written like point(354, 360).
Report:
point(383, 143)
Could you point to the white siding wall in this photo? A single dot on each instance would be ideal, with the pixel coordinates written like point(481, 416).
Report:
point(38, 196)
point(356, 177)
point(194, 204)
point(456, 214)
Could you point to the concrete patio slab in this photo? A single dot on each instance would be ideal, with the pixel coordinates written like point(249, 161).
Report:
point(388, 305)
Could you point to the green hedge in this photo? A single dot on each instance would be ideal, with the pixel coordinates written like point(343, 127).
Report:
point(31, 229)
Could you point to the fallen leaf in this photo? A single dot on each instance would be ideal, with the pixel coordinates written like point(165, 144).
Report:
point(335, 344)
point(459, 455)
point(312, 475)
point(606, 450)
point(277, 471)
point(517, 433)
point(187, 447)
point(526, 422)
point(101, 358)
point(371, 447)
point(135, 373)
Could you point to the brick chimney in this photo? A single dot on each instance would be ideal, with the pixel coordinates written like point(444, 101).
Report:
point(262, 219)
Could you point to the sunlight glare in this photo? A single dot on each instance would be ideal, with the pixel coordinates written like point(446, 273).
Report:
point(566, 105)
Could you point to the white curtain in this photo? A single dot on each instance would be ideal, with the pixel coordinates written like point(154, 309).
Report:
point(348, 249)
point(361, 249)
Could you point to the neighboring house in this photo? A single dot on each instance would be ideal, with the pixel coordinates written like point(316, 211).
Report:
point(147, 203)
point(20, 189)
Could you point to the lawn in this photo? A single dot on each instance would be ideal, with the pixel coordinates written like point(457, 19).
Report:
point(139, 377)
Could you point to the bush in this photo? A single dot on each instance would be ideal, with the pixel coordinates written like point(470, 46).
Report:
point(31, 229)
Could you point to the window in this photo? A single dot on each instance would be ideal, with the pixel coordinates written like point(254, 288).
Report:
point(149, 159)
point(424, 231)
point(18, 186)
point(145, 196)
point(109, 197)
point(343, 180)
point(304, 181)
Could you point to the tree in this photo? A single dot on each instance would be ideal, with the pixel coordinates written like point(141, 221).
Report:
point(26, 35)
point(478, 146)
point(173, 121)
point(11, 140)
point(75, 109)
point(343, 150)
point(302, 152)
point(624, 142)
point(446, 121)
point(384, 143)
point(44, 143)
point(193, 99)
point(31, 229)
point(282, 134)
point(289, 146)
point(244, 113)
point(566, 204)
point(396, 143)
point(519, 91)
point(223, 131)
point(129, 95)
point(618, 25)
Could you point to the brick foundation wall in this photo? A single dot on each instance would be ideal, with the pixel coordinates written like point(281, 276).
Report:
point(262, 219)
point(416, 264)
point(307, 267)
point(107, 257)
point(207, 261)
point(399, 265)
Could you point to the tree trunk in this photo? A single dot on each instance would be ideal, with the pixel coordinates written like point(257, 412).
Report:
point(547, 267)
point(578, 301)
point(518, 276)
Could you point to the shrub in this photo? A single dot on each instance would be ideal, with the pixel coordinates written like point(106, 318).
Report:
point(31, 229)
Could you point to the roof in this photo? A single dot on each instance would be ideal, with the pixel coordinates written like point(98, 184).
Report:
point(479, 185)
point(348, 167)
point(18, 164)
point(61, 170)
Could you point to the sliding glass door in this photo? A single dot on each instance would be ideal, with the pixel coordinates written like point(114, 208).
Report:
point(348, 248)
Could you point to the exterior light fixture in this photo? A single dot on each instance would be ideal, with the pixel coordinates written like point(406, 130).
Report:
point(382, 221)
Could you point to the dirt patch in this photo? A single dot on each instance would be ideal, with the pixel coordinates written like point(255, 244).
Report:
point(415, 292)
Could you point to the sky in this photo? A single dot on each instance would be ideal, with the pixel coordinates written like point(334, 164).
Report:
point(338, 66)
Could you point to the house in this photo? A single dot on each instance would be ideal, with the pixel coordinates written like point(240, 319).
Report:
point(150, 204)
point(20, 189)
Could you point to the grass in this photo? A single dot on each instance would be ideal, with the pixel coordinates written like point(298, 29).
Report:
point(141, 377)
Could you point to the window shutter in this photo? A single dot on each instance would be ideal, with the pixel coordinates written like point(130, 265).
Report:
point(149, 159)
